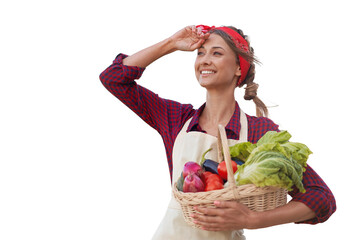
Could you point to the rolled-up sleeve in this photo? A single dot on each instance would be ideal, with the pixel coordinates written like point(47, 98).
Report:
point(119, 73)
point(119, 79)
point(318, 197)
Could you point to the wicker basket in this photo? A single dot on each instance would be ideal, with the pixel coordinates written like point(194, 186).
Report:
point(255, 198)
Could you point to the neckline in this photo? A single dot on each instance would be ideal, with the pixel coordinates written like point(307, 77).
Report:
point(231, 125)
point(243, 132)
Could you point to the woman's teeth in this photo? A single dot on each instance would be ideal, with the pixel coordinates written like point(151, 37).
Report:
point(207, 72)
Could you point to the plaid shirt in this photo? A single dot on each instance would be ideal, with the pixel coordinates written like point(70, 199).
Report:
point(168, 118)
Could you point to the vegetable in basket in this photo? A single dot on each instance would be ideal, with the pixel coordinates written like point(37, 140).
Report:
point(193, 183)
point(212, 181)
point(180, 182)
point(192, 167)
point(223, 171)
point(242, 150)
point(196, 178)
point(237, 160)
point(273, 161)
point(210, 166)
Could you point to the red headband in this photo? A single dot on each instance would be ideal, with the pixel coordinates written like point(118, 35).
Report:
point(240, 43)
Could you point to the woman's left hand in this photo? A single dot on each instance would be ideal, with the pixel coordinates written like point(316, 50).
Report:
point(228, 215)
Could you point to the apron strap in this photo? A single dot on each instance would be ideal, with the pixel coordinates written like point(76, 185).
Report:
point(244, 127)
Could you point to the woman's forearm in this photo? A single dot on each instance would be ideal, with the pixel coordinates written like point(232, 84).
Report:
point(231, 215)
point(148, 55)
point(289, 213)
point(187, 39)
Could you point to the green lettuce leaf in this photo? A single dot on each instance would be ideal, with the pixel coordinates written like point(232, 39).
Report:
point(300, 152)
point(274, 137)
point(272, 161)
point(270, 168)
point(242, 150)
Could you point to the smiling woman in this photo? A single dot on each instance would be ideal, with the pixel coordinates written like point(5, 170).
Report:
point(215, 65)
point(225, 61)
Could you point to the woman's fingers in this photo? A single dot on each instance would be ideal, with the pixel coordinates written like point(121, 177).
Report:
point(208, 222)
point(189, 38)
point(225, 216)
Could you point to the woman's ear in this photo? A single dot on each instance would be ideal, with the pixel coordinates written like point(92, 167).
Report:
point(238, 71)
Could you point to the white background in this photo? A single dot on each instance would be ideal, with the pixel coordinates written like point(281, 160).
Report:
point(77, 164)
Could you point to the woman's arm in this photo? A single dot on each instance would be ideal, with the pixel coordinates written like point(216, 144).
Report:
point(187, 39)
point(148, 55)
point(314, 206)
point(119, 78)
point(231, 215)
point(164, 115)
point(318, 197)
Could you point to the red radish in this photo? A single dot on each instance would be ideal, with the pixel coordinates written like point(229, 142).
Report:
point(192, 167)
point(192, 183)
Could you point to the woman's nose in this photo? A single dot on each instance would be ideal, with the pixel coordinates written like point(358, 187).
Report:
point(206, 59)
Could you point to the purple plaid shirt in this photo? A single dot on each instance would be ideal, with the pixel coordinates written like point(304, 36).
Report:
point(168, 118)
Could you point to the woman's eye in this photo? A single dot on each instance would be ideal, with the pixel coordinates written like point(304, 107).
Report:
point(217, 53)
point(200, 53)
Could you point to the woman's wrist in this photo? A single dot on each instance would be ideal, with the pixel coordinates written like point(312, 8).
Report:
point(168, 45)
point(254, 220)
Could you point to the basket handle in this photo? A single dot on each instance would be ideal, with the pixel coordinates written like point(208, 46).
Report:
point(224, 152)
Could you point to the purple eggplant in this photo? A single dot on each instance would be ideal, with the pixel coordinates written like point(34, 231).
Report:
point(237, 160)
point(210, 166)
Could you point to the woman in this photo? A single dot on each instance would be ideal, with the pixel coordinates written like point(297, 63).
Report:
point(225, 61)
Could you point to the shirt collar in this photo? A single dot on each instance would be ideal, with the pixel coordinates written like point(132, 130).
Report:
point(232, 126)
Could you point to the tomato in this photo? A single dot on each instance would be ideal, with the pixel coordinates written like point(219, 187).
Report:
point(205, 175)
point(214, 177)
point(212, 181)
point(209, 176)
point(213, 185)
point(222, 169)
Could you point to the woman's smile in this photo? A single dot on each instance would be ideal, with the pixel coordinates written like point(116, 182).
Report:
point(206, 73)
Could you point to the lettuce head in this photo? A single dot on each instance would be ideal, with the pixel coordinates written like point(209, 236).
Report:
point(272, 161)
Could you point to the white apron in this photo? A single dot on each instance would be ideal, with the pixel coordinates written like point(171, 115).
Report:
point(190, 147)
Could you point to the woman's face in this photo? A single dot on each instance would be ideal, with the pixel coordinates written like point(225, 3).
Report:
point(215, 65)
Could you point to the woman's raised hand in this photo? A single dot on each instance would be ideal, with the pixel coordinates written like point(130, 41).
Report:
point(189, 38)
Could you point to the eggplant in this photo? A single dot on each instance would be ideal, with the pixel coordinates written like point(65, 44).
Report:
point(237, 160)
point(210, 166)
